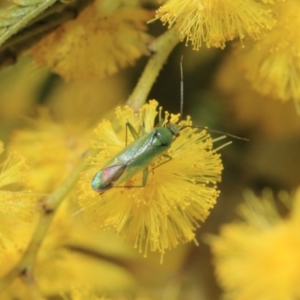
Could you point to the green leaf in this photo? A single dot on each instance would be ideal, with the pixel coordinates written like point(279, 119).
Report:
point(17, 16)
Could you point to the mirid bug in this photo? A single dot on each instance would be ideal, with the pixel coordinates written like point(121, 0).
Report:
point(138, 155)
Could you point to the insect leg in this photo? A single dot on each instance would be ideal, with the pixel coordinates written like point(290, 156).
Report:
point(132, 131)
point(169, 157)
point(144, 181)
point(145, 176)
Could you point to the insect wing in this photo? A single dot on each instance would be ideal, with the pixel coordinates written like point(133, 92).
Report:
point(105, 178)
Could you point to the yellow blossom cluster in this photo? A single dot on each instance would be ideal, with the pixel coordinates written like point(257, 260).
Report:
point(258, 258)
point(15, 203)
point(272, 64)
point(217, 21)
point(17, 209)
point(58, 145)
point(97, 43)
point(178, 194)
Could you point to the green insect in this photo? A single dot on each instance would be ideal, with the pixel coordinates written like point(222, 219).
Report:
point(136, 157)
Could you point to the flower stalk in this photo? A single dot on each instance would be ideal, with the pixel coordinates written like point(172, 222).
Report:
point(161, 48)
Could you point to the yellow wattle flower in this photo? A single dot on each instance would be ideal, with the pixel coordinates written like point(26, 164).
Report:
point(177, 197)
point(17, 209)
point(213, 22)
point(96, 44)
point(272, 64)
point(258, 258)
point(52, 148)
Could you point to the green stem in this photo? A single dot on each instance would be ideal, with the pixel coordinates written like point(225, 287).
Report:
point(161, 47)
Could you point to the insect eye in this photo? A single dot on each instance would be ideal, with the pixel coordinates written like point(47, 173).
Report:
point(174, 129)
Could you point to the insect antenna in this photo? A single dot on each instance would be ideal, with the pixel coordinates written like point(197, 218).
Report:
point(181, 87)
point(216, 131)
point(199, 127)
point(84, 208)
